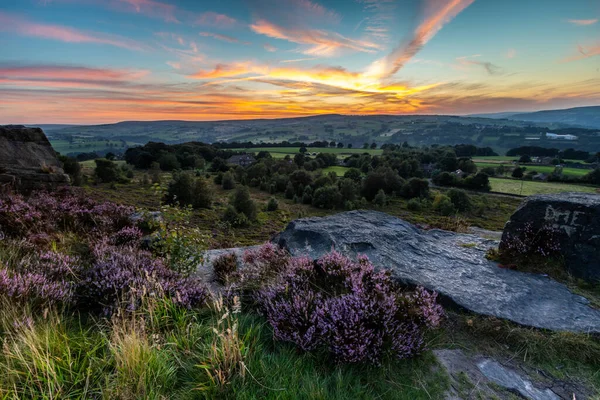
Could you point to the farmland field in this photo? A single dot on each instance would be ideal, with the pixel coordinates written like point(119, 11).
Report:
point(528, 188)
point(340, 171)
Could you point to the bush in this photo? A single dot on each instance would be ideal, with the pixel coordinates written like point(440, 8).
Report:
point(108, 171)
point(225, 266)
point(415, 187)
point(188, 190)
point(443, 205)
point(460, 199)
point(327, 197)
point(381, 199)
point(272, 205)
point(227, 181)
point(517, 172)
point(358, 316)
point(243, 204)
point(415, 204)
point(169, 162)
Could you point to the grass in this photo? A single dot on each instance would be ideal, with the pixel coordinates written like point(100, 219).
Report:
point(528, 188)
point(339, 171)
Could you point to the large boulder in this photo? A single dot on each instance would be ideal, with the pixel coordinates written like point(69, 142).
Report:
point(569, 223)
point(450, 263)
point(27, 160)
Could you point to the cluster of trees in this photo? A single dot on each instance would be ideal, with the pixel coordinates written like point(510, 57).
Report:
point(192, 155)
point(569, 154)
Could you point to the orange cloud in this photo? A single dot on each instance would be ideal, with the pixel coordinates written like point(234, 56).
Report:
point(270, 48)
point(437, 14)
point(321, 43)
point(584, 52)
point(583, 22)
point(16, 24)
point(215, 19)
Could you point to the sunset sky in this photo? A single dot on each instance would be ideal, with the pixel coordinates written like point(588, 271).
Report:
point(101, 61)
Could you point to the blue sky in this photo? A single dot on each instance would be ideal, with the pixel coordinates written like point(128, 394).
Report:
point(92, 61)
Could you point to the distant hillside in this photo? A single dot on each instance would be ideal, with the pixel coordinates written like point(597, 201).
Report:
point(354, 130)
point(581, 116)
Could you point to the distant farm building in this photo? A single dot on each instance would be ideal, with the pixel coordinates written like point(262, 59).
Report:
point(243, 160)
point(554, 136)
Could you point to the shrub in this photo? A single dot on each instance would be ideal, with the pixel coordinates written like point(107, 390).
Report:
point(460, 199)
point(358, 316)
point(415, 187)
point(272, 205)
point(228, 182)
point(128, 274)
point(414, 204)
point(186, 189)
point(242, 203)
point(327, 197)
point(443, 205)
point(127, 235)
point(225, 266)
point(107, 171)
point(517, 172)
point(169, 162)
point(380, 199)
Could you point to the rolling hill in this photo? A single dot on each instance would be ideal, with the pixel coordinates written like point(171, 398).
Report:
point(588, 117)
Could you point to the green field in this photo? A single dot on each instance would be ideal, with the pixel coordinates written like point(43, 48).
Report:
point(340, 171)
point(528, 188)
point(65, 147)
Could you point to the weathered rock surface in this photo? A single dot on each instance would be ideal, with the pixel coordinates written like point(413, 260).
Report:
point(575, 221)
point(479, 377)
point(452, 264)
point(27, 160)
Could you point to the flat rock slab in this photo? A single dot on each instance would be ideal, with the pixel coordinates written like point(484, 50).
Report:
point(480, 377)
point(452, 264)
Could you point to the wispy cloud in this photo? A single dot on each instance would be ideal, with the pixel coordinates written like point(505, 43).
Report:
point(225, 38)
point(320, 42)
point(66, 75)
point(316, 9)
point(490, 68)
point(511, 53)
point(381, 15)
point(437, 14)
point(214, 19)
point(584, 52)
point(150, 8)
point(583, 22)
point(270, 48)
point(17, 24)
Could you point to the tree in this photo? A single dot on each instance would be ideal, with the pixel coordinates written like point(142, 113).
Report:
point(517, 172)
point(328, 197)
point(272, 205)
point(525, 159)
point(354, 174)
point(169, 162)
point(186, 189)
point(340, 145)
point(228, 182)
point(349, 145)
point(380, 199)
point(373, 146)
point(460, 199)
point(332, 143)
point(415, 187)
point(303, 149)
point(107, 171)
point(110, 156)
point(366, 146)
point(242, 203)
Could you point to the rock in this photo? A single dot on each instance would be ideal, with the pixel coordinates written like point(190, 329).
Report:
point(452, 264)
point(28, 161)
point(480, 377)
point(573, 219)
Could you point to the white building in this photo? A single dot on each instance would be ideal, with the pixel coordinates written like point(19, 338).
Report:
point(554, 136)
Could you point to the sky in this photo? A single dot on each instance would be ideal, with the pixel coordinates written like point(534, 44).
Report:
point(104, 61)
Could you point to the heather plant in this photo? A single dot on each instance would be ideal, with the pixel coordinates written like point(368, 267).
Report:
point(128, 274)
point(224, 267)
point(63, 210)
point(530, 243)
point(345, 307)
